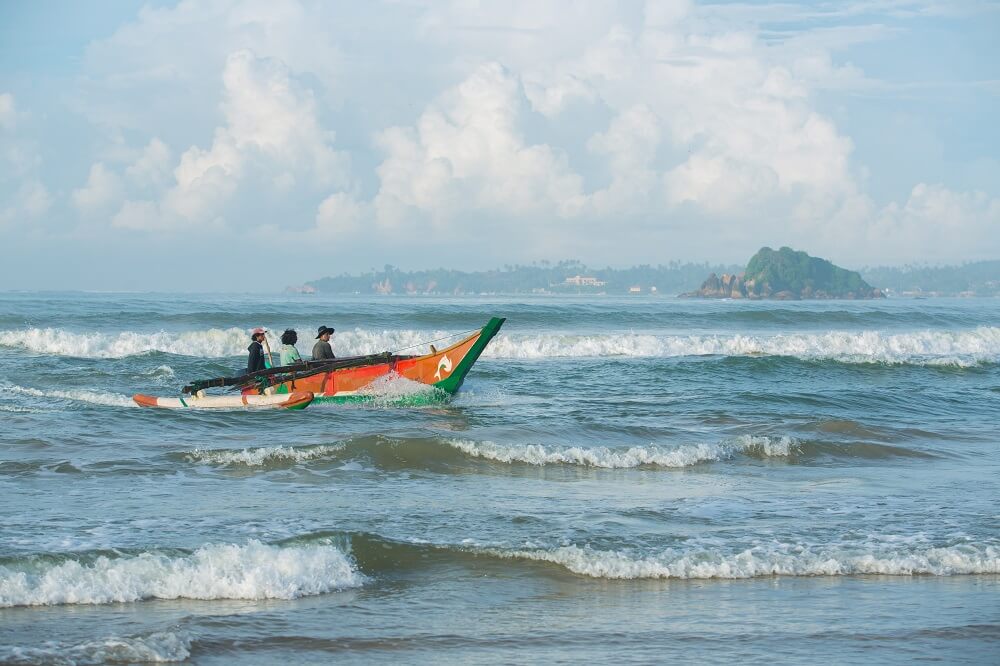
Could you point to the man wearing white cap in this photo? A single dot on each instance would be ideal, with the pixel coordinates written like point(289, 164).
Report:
point(256, 361)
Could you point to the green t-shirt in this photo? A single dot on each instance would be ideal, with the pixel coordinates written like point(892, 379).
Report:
point(289, 355)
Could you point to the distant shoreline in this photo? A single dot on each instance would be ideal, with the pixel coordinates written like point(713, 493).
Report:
point(977, 279)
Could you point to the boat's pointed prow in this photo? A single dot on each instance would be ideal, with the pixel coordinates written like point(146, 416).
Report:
point(472, 348)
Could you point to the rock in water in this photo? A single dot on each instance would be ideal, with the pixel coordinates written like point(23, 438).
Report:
point(786, 274)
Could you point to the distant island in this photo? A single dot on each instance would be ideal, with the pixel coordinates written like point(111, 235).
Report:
point(789, 275)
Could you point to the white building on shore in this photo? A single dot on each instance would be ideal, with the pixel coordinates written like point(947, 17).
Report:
point(581, 281)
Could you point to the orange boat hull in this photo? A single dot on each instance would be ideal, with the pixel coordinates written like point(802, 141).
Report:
point(445, 369)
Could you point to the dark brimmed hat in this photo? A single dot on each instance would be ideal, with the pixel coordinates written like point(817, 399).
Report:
point(322, 330)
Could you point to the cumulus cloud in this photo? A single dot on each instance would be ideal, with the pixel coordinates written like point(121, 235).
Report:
point(630, 147)
point(622, 125)
point(272, 131)
point(152, 168)
point(940, 223)
point(103, 188)
point(341, 213)
point(467, 152)
point(29, 202)
point(142, 60)
point(23, 196)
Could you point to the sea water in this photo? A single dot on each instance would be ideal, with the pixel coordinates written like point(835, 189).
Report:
point(634, 480)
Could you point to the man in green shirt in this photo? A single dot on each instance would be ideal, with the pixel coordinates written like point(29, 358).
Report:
point(289, 354)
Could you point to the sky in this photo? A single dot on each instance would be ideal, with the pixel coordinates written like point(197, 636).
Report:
point(225, 145)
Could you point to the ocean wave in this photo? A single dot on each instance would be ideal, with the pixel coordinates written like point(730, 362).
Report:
point(437, 454)
point(893, 555)
point(60, 342)
point(210, 343)
point(770, 560)
point(949, 348)
point(157, 647)
point(263, 456)
point(961, 348)
point(76, 395)
point(634, 456)
point(219, 571)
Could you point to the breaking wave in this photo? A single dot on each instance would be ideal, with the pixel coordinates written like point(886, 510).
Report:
point(263, 456)
point(634, 456)
point(157, 647)
point(75, 395)
point(880, 555)
point(957, 348)
point(60, 342)
point(211, 343)
point(254, 570)
point(770, 560)
point(434, 454)
point(961, 348)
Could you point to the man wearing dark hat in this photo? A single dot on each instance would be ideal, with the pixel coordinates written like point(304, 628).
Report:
point(322, 349)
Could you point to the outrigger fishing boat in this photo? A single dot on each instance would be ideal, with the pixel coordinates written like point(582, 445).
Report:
point(335, 380)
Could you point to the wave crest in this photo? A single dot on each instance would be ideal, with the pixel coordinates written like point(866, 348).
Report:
point(961, 348)
point(945, 347)
point(219, 571)
point(777, 560)
point(634, 456)
point(434, 453)
point(263, 456)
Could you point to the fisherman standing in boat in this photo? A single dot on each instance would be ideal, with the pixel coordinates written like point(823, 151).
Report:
point(256, 362)
point(289, 354)
point(322, 349)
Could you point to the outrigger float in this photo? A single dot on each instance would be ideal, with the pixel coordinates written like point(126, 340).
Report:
point(334, 380)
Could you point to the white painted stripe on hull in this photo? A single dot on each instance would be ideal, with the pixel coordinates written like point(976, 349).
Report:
point(228, 401)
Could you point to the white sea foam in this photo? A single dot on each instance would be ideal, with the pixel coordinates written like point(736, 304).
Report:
point(59, 342)
point(76, 395)
point(635, 456)
point(924, 347)
point(391, 390)
point(210, 343)
point(224, 571)
point(770, 560)
point(258, 457)
point(158, 647)
point(962, 348)
point(161, 372)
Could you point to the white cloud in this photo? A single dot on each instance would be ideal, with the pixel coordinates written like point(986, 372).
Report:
point(630, 144)
point(29, 202)
point(172, 54)
point(341, 213)
point(272, 132)
point(103, 188)
point(23, 196)
point(467, 153)
point(622, 125)
point(940, 224)
point(152, 168)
